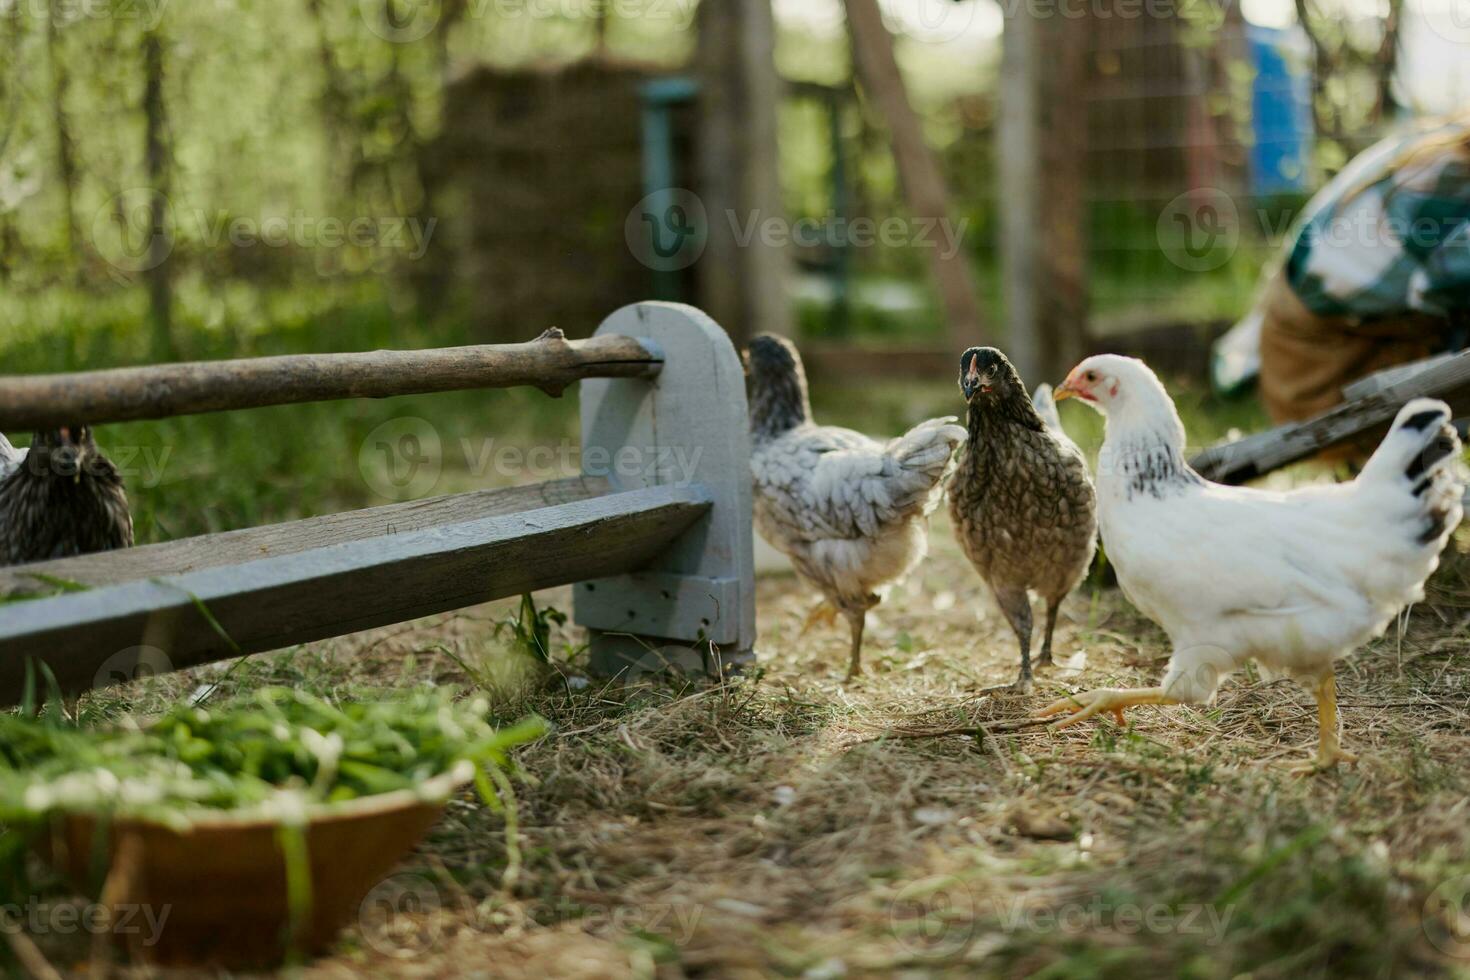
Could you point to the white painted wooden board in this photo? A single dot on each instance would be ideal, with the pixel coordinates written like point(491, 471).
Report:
point(691, 424)
point(331, 589)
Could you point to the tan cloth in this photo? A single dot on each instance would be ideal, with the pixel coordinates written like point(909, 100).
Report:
point(1306, 359)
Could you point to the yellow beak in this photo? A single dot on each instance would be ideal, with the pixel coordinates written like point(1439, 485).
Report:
point(1062, 392)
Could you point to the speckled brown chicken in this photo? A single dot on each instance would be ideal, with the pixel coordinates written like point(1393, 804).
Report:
point(1022, 503)
point(62, 497)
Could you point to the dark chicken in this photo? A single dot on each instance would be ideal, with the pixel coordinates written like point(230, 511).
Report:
point(1021, 500)
point(63, 497)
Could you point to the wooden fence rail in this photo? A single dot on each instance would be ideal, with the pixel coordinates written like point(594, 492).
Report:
point(550, 362)
point(659, 553)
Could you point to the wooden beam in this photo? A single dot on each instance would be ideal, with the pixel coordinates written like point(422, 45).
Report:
point(378, 573)
point(1259, 454)
point(550, 362)
point(918, 168)
point(292, 537)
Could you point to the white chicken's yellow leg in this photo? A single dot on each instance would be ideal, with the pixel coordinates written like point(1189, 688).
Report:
point(1110, 699)
point(1329, 747)
point(823, 612)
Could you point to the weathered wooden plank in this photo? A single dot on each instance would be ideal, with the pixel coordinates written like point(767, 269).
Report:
point(550, 362)
point(701, 588)
point(340, 588)
point(1378, 380)
point(1259, 454)
point(293, 537)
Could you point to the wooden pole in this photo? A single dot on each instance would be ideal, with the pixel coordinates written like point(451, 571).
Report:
point(1043, 180)
point(918, 170)
point(550, 362)
point(743, 282)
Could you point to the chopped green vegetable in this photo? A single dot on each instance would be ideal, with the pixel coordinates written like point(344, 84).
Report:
point(276, 751)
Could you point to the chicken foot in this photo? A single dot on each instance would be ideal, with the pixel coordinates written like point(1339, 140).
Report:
point(1110, 699)
point(1329, 745)
point(823, 613)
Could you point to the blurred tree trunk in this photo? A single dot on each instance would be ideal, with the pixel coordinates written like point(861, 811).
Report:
point(156, 166)
point(743, 282)
point(1387, 62)
point(918, 168)
point(1335, 56)
point(66, 166)
point(343, 150)
point(1043, 189)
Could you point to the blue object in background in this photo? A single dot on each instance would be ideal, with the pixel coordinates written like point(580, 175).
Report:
point(1281, 110)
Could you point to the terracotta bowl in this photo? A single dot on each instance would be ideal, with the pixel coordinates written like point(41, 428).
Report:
point(222, 883)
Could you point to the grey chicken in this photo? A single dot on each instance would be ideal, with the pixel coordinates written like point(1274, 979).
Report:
point(849, 511)
point(63, 497)
point(1022, 503)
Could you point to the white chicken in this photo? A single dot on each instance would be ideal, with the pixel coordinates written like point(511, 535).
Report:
point(1294, 580)
point(850, 512)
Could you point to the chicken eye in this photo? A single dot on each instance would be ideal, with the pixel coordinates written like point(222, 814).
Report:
point(1090, 376)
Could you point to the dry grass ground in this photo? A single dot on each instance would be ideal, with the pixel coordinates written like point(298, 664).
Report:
point(785, 824)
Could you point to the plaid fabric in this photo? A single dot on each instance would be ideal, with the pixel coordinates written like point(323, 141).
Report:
point(1390, 234)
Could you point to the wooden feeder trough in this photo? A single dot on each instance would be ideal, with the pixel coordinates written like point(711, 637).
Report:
point(659, 554)
point(660, 551)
